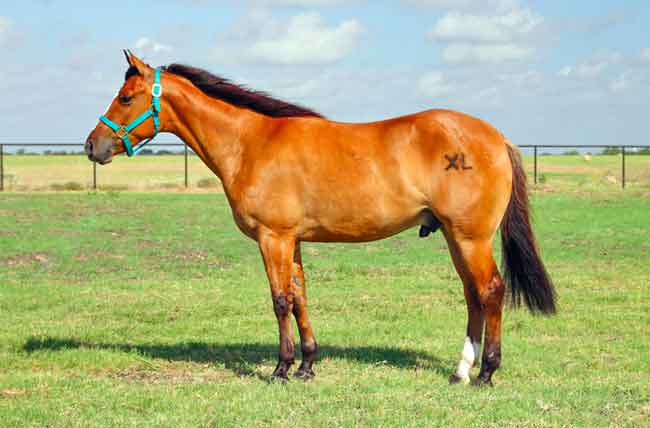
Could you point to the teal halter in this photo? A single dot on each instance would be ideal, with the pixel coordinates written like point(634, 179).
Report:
point(124, 130)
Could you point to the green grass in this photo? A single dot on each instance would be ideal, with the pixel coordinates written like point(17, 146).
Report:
point(590, 173)
point(139, 310)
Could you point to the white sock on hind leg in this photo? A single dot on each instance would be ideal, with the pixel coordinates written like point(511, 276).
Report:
point(467, 358)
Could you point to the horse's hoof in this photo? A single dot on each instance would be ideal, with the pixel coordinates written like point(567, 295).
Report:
point(454, 379)
point(280, 375)
point(279, 378)
point(480, 383)
point(305, 375)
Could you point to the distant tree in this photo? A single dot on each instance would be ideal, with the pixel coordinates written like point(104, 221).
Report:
point(612, 150)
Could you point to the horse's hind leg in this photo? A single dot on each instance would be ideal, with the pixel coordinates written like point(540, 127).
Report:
point(484, 291)
point(308, 344)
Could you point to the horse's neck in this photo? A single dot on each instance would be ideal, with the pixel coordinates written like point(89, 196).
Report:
point(216, 131)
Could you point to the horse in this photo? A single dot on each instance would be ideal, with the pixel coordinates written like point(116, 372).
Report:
point(290, 175)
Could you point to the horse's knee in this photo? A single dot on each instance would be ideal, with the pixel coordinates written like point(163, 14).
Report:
point(282, 305)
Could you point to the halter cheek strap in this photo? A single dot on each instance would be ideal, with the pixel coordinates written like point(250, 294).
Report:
point(123, 131)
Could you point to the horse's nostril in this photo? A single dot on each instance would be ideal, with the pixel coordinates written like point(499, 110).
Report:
point(89, 147)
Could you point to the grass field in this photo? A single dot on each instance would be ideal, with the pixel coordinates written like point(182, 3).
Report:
point(38, 173)
point(152, 310)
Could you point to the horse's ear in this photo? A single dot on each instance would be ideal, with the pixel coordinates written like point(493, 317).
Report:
point(134, 61)
point(128, 58)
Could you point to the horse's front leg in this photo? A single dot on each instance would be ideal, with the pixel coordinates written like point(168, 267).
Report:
point(277, 251)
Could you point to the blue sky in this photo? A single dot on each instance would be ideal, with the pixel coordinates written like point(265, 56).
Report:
point(551, 72)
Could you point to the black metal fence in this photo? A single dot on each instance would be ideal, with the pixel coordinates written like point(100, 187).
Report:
point(186, 152)
point(621, 148)
point(535, 147)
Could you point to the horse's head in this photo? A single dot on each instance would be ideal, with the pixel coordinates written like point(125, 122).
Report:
point(132, 116)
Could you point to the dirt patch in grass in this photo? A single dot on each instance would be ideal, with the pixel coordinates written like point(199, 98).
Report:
point(85, 256)
point(69, 186)
point(12, 393)
point(169, 377)
point(198, 257)
point(25, 259)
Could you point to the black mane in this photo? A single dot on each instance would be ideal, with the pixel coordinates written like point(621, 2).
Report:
point(238, 95)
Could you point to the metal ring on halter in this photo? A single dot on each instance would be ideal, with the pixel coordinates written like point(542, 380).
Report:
point(156, 90)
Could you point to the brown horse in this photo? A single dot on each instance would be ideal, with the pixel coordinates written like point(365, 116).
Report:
point(290, 175)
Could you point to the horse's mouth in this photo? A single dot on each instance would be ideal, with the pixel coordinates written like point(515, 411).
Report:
point(105, 161)
point(100, 161)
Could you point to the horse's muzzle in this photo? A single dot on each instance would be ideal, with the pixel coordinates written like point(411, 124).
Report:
point(100, 152)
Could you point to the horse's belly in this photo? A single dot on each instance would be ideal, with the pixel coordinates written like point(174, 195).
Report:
point(358, 223)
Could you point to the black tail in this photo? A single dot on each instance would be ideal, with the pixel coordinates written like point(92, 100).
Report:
point(522, 268)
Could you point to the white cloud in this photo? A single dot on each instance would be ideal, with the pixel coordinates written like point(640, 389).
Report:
point(494, 38)
point(304, 3)
point(645, 55)
point(621, 76)
point(619, 84)
point(487, 6)
point(146, 45)
point(6, 30)
point(596, 66)
point(505, 28)
point(584, 71)
point(458, 53)
point(434, 84)
point(303, 39)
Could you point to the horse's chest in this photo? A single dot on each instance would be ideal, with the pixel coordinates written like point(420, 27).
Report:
point(270, 210)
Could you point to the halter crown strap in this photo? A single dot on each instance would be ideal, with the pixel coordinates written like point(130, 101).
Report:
point(123, 131)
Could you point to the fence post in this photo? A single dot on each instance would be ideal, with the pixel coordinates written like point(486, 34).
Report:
point(535, 163)
point(2, 168)
point(623, 167)
point(186, 166)
point(94, 175)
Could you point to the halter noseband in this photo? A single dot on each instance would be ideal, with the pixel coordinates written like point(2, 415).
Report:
point(123, 131)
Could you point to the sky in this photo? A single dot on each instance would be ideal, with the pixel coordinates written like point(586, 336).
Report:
point(542, 72)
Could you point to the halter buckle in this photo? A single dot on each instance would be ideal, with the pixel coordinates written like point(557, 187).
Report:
point(156, 90)
point(121, 133)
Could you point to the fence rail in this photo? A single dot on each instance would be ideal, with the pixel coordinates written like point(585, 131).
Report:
point(94, 170)
point(621, 147)
point(535, 148)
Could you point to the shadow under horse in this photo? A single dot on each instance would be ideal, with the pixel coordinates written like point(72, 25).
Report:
point(238, 356)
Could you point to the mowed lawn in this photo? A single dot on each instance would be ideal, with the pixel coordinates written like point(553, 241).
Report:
point(152, 310)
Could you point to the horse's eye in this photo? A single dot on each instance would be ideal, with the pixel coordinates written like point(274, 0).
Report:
point(125, 99)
